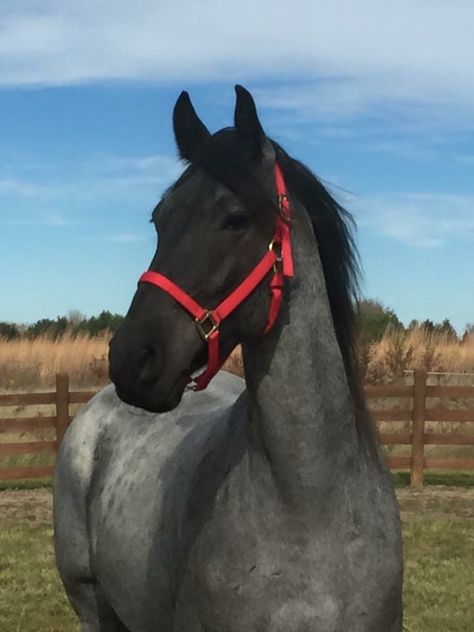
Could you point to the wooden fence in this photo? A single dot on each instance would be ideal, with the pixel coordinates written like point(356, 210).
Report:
point(61, 399)
point(415, 412)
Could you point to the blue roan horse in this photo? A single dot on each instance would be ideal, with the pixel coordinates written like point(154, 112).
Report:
point(253, 506)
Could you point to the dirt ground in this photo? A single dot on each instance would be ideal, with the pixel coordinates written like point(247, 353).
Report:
point(35, 506)
point(438, 501)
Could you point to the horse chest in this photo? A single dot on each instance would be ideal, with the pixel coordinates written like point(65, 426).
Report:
point(263, 571)
point(242, 580)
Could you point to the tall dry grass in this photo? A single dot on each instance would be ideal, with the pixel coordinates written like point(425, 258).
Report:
point(27, 364)
point(34, 363)
point(400, 351)
point(30, 364)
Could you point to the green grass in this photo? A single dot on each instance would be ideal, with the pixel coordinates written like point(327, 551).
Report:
point(400, 479)
point(31, 595)
point(27, 460)
point(452, 478)
point(34, 483)
point(439, 575)
point(439, 563)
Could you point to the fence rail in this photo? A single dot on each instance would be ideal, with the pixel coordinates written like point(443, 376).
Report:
point(415, 411)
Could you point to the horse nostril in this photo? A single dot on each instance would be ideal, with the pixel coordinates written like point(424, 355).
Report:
point(148, 365)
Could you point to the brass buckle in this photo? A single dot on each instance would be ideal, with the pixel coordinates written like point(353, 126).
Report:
point(285, 215)
point(213, 326)
point(278, 257)
point(271, 248)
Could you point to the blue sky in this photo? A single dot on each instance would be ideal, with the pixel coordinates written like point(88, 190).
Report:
point(376, 97)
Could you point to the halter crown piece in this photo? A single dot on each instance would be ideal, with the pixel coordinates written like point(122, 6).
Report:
point(278, 258)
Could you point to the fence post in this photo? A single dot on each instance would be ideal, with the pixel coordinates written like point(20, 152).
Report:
point(418, 427)
point(62, 406)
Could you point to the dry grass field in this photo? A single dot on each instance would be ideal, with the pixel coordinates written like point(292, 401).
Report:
point(32, 364)
point(29, 364)
point(386, 360)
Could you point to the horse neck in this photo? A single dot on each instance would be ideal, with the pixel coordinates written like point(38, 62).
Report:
point(301, 409)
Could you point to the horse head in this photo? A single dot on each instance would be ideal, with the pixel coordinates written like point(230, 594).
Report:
point(214, 225)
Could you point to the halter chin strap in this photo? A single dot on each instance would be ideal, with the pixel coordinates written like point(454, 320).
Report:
point(278, 258)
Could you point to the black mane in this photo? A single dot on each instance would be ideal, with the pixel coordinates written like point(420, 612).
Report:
point(224, 158)
point(333, 227)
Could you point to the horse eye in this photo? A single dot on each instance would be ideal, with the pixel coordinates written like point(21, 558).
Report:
point(236, 221)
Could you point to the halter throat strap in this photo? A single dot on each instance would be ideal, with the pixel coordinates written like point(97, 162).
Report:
point(278, 259)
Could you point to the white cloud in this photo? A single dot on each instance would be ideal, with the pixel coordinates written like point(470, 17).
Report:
point(153, 164)
point(91, 174)
point(21, 187)
point(60, 194)
point(35, 217)
point(422, 220)
point(389, 108)
point(410, 51)
point(126, 238)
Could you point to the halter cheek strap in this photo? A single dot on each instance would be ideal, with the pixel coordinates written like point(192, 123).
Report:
point(278, 258)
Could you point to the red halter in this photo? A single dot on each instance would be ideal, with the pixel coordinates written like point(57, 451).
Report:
point(209, 320)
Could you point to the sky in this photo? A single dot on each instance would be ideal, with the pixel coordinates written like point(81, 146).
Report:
point(376, 97)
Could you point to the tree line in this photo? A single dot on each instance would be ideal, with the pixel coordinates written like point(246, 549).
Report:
point(373, 321)
point(73, 324)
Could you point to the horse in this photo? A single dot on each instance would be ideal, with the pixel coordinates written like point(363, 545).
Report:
point(250, 505)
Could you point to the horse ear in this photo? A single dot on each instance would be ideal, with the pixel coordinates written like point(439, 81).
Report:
point(189, 131)
point(246, 122)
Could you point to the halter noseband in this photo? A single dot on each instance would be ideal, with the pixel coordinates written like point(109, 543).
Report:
point(278, 258)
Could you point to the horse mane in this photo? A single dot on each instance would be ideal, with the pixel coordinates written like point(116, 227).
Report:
point(224, 158)
point(334, 229)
